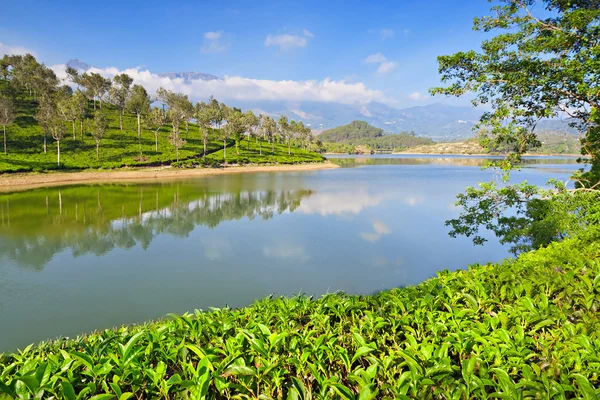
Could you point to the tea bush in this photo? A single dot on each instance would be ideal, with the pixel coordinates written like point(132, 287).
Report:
point(524, 328)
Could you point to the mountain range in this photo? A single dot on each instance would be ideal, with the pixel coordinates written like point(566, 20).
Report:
point(437, 121)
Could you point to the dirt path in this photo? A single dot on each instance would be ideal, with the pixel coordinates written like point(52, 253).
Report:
point(17, 182)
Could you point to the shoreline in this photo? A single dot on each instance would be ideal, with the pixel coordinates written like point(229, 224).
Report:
point(25, 181)
point(455, 154)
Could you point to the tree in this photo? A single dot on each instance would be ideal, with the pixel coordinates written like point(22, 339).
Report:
point(236, 126)
point(155, 120)
point(285, 130)
point(119, 94)
point(7, 115)
point(203, 115)
point(64, 105)
point(252, 124)
point(187, 111)
point(99, 126)
point(176, 140)
point(96, 86)
point(537, 67)
point(139, 104)
point(56, 127)
point(79, 108)
point(267, 128)
point(73, 75)
point(44, 116)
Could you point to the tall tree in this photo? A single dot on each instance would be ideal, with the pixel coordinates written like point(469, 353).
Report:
point(119, 94)
point(139, 104)
point(187, 111)
point(252, 124)
point(267, 128)
point(99, 126)
point(541, 64)
point(44, 115)
point(79, 107)
point(203, 115)
point(285, 131)
point(7, 115)
point(56, 127)
point(155, 120)
point(64, 105)
point(236, 126)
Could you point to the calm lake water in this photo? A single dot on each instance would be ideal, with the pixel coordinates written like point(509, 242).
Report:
point(79, 258)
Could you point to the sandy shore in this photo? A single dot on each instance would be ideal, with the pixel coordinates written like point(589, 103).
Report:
point(16, 182)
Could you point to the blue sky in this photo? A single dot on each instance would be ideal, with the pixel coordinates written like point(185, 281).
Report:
point(274, 41)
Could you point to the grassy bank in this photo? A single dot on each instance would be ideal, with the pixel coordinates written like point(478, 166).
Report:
point(525, 328)
point(121, 148)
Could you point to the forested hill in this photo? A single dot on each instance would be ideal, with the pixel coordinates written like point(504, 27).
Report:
point(355, 130)
point(359, 133)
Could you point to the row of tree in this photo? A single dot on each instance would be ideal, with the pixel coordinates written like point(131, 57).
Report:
point(63, 103)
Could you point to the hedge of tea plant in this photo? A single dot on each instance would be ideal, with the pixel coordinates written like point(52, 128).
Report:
point(524, 328)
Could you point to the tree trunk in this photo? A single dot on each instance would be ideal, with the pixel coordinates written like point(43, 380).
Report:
point(224, 150)
point(4, 139)
point(260, 147)
point(177, 151)
point(289, 147)
point(121, 119)
point(58, 151)
point(74, 137)
point(139, 127)
point(248, 140)
point(156, 139)
point(81, 125)
point(45, 148)
point(97, 151)
point(186, 129)
point(94, 103)
point(205, 137)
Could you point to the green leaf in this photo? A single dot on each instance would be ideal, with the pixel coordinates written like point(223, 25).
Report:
point(67, 390)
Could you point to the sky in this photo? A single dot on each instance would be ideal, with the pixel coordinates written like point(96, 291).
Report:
point(337, 51)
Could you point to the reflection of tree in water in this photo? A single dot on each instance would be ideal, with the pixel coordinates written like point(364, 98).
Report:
point(37, 225)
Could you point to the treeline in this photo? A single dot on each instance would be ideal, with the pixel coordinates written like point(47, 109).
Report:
point(359, 136)
point(77, 105)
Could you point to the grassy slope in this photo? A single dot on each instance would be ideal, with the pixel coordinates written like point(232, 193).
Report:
point(525, 328)
point(117, 149)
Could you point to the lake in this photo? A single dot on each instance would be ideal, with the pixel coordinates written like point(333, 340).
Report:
point(75, 259)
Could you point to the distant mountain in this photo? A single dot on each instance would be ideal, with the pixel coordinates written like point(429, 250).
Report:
point(190, 76)
point(355, 130)
point(360, 133)
point(186, 76)
point(438, 121)
point(79, 65)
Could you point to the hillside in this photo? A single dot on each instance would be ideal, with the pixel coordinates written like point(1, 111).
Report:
point(552, 143)
point(25, 144)
point(359, 136)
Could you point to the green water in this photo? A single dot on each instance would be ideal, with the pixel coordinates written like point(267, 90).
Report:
point(79, 258)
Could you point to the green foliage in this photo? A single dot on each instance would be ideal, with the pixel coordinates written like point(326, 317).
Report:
point(535, 67)
point(527, 216)
point(525, 328)
point(344, 139)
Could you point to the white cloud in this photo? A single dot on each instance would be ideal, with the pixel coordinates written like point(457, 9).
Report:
point(213, 43)
point(241, 89)
point(379, 229)
point(418, 96)
point(286, 251)
point(308, 33)
point(386, 67)
point(8, 50)
point(285, 41)
point(213, 35)
point(342, 203)
point(386, 33)
point(376, 58)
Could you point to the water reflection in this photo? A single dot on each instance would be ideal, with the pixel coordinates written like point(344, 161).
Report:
point(454, 160)
point(36, 225)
